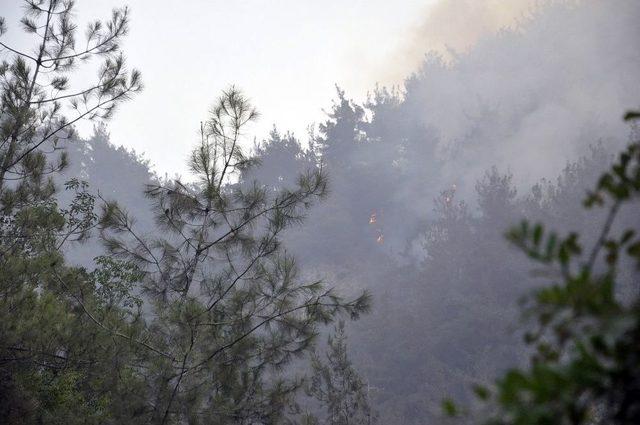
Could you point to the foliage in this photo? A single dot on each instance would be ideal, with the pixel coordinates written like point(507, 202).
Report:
point(197, 317)
point(56, 364)
point(585, 367)
point(228, 310)
point(446, 308)
point(193, 323)
point(335, 383)
point(37, 89)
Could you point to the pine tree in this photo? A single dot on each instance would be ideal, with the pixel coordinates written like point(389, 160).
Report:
point(227, 308)
point(37, 88)
point(58, 359)
point(338, 387)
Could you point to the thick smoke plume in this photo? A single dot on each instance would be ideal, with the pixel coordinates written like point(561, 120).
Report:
point(452, 27)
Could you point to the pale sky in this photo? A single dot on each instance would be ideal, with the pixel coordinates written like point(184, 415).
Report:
point(286, 55)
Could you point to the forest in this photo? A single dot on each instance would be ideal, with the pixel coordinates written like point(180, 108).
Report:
point(462, 248)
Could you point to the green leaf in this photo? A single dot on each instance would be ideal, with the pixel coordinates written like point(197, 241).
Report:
point(626, 237)
point(481, 392)
point(537, 234)
point(632, 115)
point(449, 407)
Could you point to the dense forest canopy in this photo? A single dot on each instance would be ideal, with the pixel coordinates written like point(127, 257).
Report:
point(231, 295)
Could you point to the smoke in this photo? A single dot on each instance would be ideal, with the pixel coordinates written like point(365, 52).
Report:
point(528, 99)
point(524, 86)
point(451, 27)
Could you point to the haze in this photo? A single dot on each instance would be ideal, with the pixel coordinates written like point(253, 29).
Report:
point(321, 213)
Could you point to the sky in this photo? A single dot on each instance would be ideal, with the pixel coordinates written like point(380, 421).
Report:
point(286, 55)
